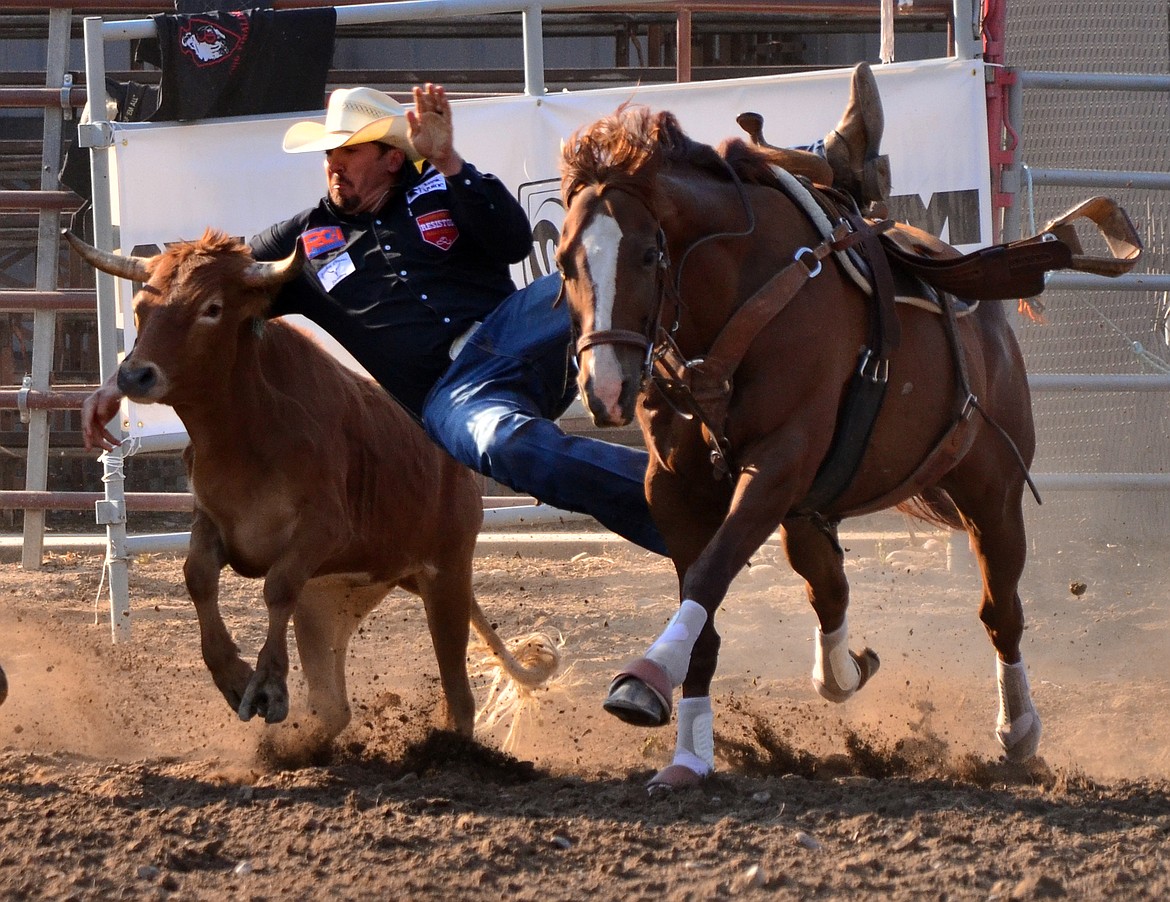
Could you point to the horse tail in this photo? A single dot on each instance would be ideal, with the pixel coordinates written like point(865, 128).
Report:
point(935, 507)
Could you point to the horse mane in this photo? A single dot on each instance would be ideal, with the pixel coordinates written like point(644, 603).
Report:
point(631, 146)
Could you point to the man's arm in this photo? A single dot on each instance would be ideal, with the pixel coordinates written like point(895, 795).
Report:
point(96, 413)
point(276, 243)
point(483, 206)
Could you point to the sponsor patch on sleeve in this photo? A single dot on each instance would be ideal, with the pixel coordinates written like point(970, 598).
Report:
point(322, 240)
point(438, 229)
point(435, 183)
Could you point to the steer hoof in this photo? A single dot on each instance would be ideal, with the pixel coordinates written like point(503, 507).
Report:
point(3, 686)
point(641, 695)
point(268, 698)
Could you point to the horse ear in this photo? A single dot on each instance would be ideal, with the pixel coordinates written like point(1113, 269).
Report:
point(669, 132)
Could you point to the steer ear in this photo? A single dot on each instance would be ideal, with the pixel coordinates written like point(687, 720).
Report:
point(276, 273)
point(136, 269)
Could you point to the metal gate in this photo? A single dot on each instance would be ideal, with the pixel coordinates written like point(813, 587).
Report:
point(1100, 365)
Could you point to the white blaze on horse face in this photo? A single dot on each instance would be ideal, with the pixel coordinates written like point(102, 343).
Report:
point(601, 240)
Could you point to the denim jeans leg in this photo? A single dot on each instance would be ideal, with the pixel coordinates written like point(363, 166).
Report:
point(494, 408)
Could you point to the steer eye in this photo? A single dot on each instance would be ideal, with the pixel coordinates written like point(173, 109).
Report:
point(211, 310)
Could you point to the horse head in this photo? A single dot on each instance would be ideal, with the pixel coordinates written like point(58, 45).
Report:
point(612, 254)
point(612, 259)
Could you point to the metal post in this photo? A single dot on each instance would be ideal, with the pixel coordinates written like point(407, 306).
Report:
point(533, 32)
point(684, 59)
point(968, 40)
point(111, 512)
point(36, 476)
point(1011, 175)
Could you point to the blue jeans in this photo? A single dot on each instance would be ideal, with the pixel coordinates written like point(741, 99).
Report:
point(494, 408)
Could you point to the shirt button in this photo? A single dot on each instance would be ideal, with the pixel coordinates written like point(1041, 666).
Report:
point(446, 319)
point(385, 247)
point(377, 222)
point(401, 272)
point(423, 296)
point(467, 181)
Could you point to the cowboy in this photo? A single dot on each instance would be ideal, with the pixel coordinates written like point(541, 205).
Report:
point(408, 257)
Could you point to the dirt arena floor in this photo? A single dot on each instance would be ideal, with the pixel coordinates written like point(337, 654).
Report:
point(124, 775)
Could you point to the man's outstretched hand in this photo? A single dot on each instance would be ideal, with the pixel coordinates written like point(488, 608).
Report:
point(96, 412)
point(431, 130)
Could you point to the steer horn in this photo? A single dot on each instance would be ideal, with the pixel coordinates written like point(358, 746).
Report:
point(134, 268)
point(277, 272)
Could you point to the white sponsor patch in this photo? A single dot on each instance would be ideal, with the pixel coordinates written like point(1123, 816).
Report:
point(335, 270)
point(434, 183)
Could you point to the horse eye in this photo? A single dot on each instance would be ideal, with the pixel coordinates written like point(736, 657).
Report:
point(650, 257)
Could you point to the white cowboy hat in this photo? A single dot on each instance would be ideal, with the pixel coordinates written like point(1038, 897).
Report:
point(353, 116)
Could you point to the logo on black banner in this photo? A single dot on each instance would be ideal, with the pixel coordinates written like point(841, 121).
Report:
point(207, 42)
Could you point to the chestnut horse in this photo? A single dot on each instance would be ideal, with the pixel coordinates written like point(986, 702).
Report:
point(664, 240)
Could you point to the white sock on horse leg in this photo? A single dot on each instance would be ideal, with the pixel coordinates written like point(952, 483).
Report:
point(835, 673)
point(695, 746)
point(672, 650)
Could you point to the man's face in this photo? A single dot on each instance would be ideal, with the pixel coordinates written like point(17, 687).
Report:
point(361, 176)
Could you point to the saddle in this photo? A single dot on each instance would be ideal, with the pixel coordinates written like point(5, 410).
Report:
point(881, 255)
point(891, 251)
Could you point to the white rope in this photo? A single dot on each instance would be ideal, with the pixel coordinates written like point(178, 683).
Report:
point(113, 467)
point(97, 599)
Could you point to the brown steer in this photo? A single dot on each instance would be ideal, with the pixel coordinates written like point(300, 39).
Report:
point(304, 474)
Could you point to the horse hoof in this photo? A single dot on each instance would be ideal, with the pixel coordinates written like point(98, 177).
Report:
point(641, 695)
point(1022, 747)
point(867, 663)
point(637, 704)
point(673, 778)
point(3, 686)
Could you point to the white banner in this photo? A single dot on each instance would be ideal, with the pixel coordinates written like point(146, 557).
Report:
point(171, 181)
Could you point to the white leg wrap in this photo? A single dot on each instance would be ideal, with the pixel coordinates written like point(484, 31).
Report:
point(695, 747)
point(672, 650)
point(1018, 726)
point(835, 674)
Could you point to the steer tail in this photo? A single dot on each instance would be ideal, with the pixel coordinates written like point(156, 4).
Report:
point(531, 661)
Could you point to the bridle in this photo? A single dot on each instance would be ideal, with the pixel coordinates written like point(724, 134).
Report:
point(657, 342)
point(645, 342)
